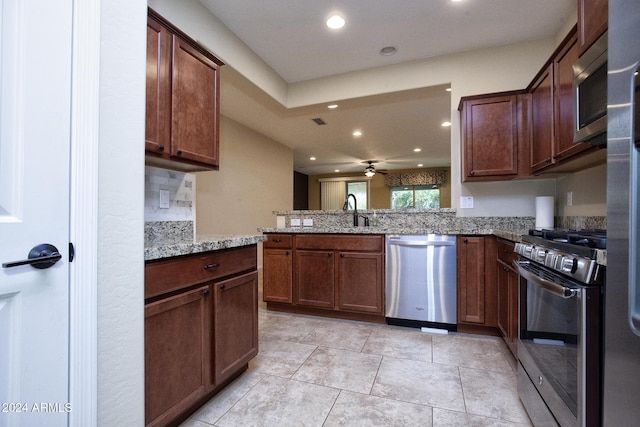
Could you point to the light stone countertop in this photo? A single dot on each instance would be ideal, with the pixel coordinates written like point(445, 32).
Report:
point(166, 249)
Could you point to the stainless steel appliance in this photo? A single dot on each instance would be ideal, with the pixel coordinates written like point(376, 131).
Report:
point(590, 94)
point(621, 398)
point(560, 326)
point(420, 286)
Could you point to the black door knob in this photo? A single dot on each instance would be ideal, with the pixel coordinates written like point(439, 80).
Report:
point(41, 256)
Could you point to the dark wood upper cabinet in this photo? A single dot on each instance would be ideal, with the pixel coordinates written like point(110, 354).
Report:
point(494, 136)
point(183, 100)
point(551, 109)
point(593, 20)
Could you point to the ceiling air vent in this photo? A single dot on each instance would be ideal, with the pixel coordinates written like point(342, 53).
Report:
point(319, 121)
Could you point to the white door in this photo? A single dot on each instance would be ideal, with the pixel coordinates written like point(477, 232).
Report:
point(35, 72)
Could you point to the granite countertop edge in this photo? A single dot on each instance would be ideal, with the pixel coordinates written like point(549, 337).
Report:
point(203, 243)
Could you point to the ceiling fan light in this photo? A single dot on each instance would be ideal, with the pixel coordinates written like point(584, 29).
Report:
point(369, 171)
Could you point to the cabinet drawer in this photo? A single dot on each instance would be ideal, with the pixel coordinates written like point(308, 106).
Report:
point(278, 241)
point(341, 242)
point(506, 252)
point(176, 273)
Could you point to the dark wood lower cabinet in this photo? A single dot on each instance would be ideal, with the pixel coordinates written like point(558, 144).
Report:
point(477, 294)
point(235, 324)
point(315, 279)
point(177, 328)
point(201, 328)
point(334, 275)
point(359, 282)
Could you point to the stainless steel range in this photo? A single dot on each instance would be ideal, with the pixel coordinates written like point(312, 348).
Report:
point(560, 326)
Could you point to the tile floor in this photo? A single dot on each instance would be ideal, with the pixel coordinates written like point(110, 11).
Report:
point(313, 371)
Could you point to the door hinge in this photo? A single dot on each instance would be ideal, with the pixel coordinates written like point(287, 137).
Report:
point(72, 252)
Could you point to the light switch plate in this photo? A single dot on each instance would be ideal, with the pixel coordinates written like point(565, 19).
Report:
point(295, 222)
point(307, 222)
point(466, 202)
point(164, 199)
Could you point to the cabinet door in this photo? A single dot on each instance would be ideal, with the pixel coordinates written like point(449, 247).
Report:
point(564, 105)
point(235, 323)
point(314, 278)
point(593, 17)
point(158, 108)
point(490, 138)
point(360, 282)
point(471, 280)
point(542, 130)
point(177, 336)
point(277, 275)
point(194, 105)
point(514, 285)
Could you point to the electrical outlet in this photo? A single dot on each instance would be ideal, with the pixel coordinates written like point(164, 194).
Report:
point(569, 198)
point(165, 200)
point(466, 202)
point(295, 222)
point(307, 222)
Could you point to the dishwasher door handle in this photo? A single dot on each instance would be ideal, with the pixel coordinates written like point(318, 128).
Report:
point(421, 242)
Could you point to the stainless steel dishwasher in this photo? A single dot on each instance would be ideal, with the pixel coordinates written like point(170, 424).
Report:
point(420, 287)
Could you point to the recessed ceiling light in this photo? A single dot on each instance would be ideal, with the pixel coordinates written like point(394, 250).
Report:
point(357, 133)
point(337, 170)
point(446, 124)
point(417, 150)
point(388, 50)
point(312, 158)
point(448, 89)
point(335, 22)
point(332, 106)
point(420, 165)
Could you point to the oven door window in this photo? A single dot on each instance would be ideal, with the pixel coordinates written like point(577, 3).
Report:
point(549, 331)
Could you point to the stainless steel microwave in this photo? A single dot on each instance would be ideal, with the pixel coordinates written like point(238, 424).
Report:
point(590, 94)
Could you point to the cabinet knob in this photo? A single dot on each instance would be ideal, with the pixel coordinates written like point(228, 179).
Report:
point(210, 266)
point(465, 240)
point(222, 287)
point(160, 147)
point(341, 255)
point(329, 254)
point(472, 172)
point(276, 240)
point(179, 152)
point(205, 292)
point(287, 253)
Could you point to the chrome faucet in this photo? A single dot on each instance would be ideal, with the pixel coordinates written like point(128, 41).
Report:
point(355, 208)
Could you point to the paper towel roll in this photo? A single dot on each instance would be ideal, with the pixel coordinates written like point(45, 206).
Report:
point(544, 212)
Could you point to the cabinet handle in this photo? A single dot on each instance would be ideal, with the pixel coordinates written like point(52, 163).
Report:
point(276, 240)
point(205, 292)
point(210, 266)
point(222, 287)
point(472, 173)
point(161, 148)
point(465, 240)
point(179, 152)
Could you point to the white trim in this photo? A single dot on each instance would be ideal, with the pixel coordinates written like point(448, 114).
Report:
point(345, 179)
point(83, 227)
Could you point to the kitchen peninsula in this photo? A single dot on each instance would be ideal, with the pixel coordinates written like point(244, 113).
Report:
point(201, 310)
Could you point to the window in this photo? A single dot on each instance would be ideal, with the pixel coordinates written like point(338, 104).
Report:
point(358, 189)
point(415, 196)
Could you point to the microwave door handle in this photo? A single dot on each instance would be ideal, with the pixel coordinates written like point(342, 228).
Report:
point(558, 290)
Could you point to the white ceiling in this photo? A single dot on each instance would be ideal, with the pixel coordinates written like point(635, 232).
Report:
point(291, 37)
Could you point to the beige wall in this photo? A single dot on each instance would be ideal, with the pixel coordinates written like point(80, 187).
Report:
point(589, 188)
point(255, 178)
point(378, 192)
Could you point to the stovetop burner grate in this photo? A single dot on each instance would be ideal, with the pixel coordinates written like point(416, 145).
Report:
point(591, 238)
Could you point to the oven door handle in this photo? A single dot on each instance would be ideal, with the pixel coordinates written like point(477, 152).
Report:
point(559, 290)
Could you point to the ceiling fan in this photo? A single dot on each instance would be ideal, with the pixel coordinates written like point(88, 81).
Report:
point(370, 170)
